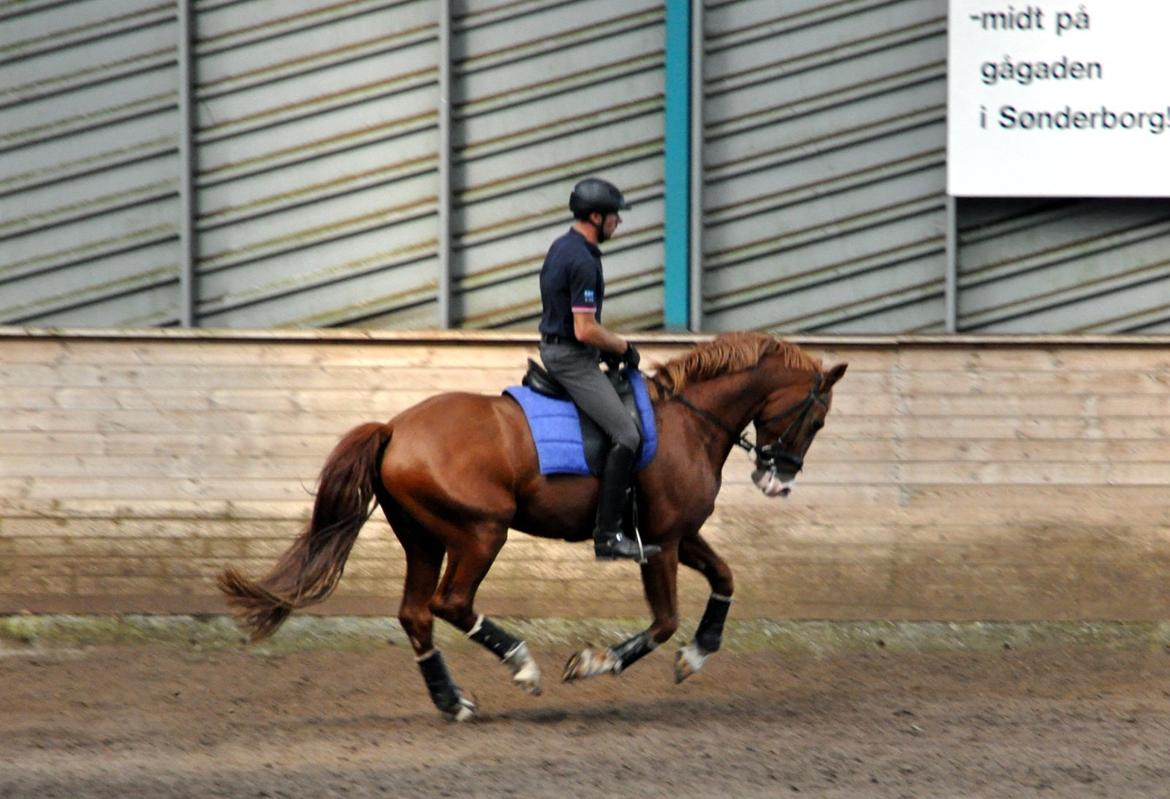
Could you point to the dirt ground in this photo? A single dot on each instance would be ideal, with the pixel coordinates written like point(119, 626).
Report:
point(163, 721)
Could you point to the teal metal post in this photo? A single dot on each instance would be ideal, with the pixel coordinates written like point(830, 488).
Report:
point(676, 280)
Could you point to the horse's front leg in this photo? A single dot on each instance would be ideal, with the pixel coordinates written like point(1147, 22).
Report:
point(696, 553)
point(660, 584)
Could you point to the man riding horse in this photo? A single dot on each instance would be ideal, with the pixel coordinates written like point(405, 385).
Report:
point(452, 517)
point(573, 341)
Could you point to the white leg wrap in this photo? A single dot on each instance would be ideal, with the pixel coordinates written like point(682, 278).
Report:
point(466, 710)
point(689, 660)
point(525, 672)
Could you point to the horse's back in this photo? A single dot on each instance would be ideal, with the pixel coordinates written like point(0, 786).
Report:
point(467, 424)
point(472, 448)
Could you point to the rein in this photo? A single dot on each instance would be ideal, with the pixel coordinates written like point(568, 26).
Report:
point(769, 453)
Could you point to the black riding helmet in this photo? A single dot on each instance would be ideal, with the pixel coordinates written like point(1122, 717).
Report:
point(595, 194)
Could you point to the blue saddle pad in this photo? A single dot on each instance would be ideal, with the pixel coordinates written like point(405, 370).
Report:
point(556, 428)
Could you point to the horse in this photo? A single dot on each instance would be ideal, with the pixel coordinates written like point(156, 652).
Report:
point(455, 472)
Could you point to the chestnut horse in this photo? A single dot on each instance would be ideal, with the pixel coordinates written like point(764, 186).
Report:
point(455, 472)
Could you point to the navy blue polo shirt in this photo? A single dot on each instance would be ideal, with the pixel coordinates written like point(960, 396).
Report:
point(570, 282)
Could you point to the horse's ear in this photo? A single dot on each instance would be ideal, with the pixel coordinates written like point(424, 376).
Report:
point(834, 374)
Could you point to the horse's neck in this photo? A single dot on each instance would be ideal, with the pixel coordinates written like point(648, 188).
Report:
point(732, 397)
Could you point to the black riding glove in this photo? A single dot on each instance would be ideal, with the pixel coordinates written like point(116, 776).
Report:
point(631, 356)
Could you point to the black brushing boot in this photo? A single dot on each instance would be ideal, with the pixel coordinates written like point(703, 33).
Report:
point(609, 540)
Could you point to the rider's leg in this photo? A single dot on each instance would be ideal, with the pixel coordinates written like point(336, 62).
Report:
point(609, 540)
point(576, 369)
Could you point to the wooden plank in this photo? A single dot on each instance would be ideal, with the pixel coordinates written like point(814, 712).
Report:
point(189, 510)
point(163, 469)
point(992, 382)
point(66, 544)
point(990, 427)
point(357, 570)
point(69, 543)
point(35, 586)
point(124, 444)
point(1032, 473)
point(253, 423)
point(226, 490)
point(1037, 505)
point(999, 450)
point(1141, 405)
point(964, 548)
point(997, 507)
point(129, 528)
point(123, 355)
point(1062, 358)
point(247, 376)
point(1026, 405)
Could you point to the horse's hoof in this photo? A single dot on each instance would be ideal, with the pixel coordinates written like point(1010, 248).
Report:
point(532, 689)
point(529, 682)
point(465, 710)
point(573, 667)
point(525, 672)
point(688, 661)
point(589, 663)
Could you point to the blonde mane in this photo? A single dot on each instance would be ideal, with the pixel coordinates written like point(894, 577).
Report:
point(730, 352)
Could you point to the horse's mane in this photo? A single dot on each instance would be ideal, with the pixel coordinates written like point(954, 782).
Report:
point(730, 352)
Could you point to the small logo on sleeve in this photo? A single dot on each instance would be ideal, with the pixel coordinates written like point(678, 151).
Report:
point(589, 295)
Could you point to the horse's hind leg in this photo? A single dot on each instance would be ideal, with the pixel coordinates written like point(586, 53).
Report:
point(696, 553)
point(424, 560)
point(454, 602)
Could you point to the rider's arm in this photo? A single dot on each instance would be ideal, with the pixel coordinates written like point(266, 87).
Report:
point(589, 331)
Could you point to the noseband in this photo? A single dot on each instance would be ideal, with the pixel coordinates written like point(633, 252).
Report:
point(769, 456)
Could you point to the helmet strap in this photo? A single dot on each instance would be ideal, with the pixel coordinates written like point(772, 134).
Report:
point(601, 237)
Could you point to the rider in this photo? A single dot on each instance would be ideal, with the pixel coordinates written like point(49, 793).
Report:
point(573, 341)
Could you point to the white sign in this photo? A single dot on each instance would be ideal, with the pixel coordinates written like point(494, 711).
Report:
point(1058, 98)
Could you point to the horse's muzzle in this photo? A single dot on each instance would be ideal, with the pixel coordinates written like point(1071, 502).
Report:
point(771, 483)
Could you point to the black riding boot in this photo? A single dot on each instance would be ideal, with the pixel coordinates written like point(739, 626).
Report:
point(609, 541)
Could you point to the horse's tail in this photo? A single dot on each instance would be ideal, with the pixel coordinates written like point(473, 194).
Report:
point(309, 571)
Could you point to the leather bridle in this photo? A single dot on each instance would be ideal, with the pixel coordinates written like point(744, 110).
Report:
point(769, 456)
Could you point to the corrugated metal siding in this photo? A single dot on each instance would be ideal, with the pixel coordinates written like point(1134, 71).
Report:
point(824, 165)
point(317, 167)
point(1064, 266)
point(88, 164)
point(547, 93)
point(317, 170)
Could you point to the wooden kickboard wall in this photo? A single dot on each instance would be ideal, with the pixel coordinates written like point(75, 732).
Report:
point(956, 479)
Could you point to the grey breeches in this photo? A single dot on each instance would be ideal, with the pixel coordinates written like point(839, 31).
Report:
point(575, 368)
